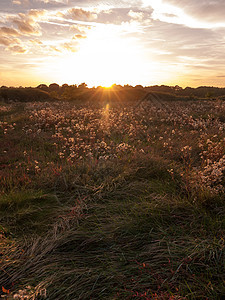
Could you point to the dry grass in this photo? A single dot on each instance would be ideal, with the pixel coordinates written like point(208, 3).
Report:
point(102, 203)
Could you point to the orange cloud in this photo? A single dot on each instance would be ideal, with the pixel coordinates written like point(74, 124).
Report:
point(28, 24)
point(70, 47)
point(9, 31)
point(80, 14)
point(54, 48)
point(80, 28)
point(36, 42)
point(17, 49)
point(79, 36)
point(13, 44)
point(5, 41)
point(36, 14)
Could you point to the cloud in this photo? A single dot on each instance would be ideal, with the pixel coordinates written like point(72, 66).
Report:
point(26, 27)
point(69, 47)
point(54, 48)
point(54, 1)
point(38, 3)
point(35, 14)
point(8, 31)
point(170, 34)
point(28, 23)
point(205, 10)
point(36, 42)
point(6, 41)
point(20, 2)
point(80, 14)
point(79, 36)
point(80, 28)
point(121, 15)
point(16, 2)
point(13, 45)
point(136, 15)
point(17, 49)
point(192, 51)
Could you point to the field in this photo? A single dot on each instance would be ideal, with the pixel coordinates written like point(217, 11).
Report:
point(113, 201)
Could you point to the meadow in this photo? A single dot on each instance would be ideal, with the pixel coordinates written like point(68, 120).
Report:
point(120, 200)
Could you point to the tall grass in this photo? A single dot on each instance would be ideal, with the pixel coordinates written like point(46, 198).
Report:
point(113, 204)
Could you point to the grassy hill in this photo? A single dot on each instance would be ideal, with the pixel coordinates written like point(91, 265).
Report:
point(23, 94)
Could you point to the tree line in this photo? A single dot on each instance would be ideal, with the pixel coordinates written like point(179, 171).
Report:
point(81, 92)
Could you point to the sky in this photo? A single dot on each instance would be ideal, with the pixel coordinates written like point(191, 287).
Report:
point(102, 42)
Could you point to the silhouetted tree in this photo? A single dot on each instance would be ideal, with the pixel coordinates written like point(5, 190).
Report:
point(53, 87)
point(65, 85)
point(82, 86)
point(138, 86)
point(42, 87)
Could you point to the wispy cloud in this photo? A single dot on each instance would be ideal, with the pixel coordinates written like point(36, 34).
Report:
point(204, 10)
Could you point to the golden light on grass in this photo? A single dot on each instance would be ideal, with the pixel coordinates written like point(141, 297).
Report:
point(106, 112)
point(107, 108)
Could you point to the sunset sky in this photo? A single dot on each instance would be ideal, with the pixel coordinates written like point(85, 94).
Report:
point(101, 42)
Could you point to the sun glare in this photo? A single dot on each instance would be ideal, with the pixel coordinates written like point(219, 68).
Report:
point(109, 56)
point(104, 58)
point(107, 87)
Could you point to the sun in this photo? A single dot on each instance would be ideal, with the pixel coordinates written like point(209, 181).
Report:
point(107, 87)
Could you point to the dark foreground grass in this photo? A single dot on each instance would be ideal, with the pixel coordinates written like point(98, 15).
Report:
point(131, 238)
point(125, 228)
